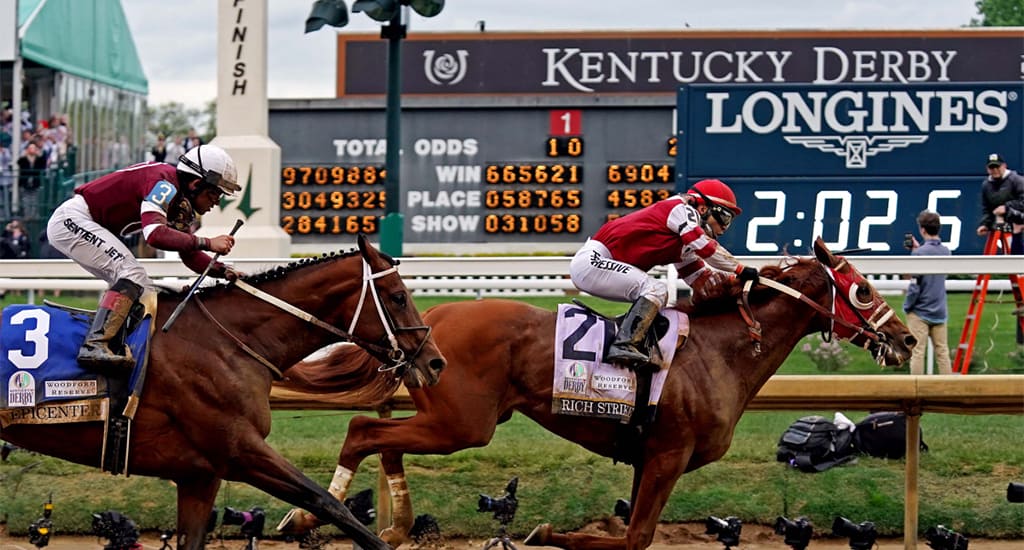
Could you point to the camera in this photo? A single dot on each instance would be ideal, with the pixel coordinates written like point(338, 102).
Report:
point(727, 530)
point(117, 528)
point(908, 241)
point(251, 522)
point(361, 506)
point(940, 538)
point(39, 530)
point(1015, 492)
point(862, 535)
point(797, 533)
point(504, 508)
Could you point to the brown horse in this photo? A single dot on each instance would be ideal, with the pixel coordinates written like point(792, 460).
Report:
point(205, 413)
point(500, 356)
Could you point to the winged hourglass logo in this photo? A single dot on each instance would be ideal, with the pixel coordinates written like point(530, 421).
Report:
point(855, 149)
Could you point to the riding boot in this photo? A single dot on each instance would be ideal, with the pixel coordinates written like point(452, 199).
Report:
point(631, 334)
point(115, 305)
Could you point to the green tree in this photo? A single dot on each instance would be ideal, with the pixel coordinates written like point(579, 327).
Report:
point(210, 119)
point(172, 118)
point(999, 13)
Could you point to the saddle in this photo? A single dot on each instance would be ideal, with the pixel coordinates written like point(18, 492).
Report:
point(42, 383)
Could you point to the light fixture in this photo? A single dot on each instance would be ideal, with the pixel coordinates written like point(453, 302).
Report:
point(327, 12)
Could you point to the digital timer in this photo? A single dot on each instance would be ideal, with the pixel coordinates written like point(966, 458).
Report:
point(636, 198)
point(534, 173)
point(848, 214)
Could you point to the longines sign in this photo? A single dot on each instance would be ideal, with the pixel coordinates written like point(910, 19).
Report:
point(943, 129)
point(659, 62)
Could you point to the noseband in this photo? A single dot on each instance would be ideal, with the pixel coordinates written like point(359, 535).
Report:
point(396, 358)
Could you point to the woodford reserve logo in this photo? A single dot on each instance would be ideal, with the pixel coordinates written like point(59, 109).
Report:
point(858, 124)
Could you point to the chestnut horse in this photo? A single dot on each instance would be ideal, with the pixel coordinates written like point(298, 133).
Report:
point(205, 412)
point(500, 359)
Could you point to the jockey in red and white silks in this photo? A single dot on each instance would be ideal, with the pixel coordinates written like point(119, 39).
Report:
point(157, 199)
point(681, 231)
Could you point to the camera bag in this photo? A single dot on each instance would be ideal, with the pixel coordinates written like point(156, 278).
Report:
point(814, 444)
point(883, 435)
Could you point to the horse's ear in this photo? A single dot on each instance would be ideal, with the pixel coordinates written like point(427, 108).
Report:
point(823, 254)
point(364, 245)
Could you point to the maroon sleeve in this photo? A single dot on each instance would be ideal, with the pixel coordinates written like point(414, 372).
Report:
point(197, 261)
point(165, 237)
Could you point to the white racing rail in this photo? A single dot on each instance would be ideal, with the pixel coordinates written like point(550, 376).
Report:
point(505, 276)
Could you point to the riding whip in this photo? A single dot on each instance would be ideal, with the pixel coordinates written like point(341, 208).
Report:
point(192, 290)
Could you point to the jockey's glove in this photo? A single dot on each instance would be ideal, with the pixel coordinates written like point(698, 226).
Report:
point(747, 273)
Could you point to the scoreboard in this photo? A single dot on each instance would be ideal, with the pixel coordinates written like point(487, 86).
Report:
point(531, 141)
point(546, 175)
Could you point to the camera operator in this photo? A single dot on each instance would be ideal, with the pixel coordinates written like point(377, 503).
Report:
point(1002, 200)
point(925, 303)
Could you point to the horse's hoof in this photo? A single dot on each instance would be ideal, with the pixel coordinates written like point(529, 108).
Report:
point(297, 521)
point(393, 537)
point(540, 535)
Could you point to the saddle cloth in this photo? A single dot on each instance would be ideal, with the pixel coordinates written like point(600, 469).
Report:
point(38, 349)
point(584, 384)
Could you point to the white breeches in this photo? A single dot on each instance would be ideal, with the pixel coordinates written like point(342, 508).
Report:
point(594, 271)
point(72, 231)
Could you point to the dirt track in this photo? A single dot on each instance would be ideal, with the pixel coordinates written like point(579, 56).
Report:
point(669, 537)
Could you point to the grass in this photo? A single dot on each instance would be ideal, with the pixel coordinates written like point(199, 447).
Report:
point(962, 481)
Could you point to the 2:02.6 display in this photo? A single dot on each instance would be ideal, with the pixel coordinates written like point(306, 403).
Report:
point(844, 218)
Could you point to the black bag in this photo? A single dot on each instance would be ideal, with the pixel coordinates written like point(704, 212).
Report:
point(814, 444)
point(884, 435)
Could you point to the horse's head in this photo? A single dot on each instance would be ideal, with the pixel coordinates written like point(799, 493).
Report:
point(862, 316)
point(389, 326)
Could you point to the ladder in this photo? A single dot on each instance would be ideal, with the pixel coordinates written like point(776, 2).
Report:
point(998, 239)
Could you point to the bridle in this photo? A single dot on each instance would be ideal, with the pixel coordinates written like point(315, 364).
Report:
point(396, 358)
point(875, 340)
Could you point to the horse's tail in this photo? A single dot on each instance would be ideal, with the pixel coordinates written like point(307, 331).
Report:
point(345, 370)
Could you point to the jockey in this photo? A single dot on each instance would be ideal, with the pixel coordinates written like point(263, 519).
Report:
point(681, 230)
point(162, 202)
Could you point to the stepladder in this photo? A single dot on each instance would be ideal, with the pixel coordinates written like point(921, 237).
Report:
point(998, 243)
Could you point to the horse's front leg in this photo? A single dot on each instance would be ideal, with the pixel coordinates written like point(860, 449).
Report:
point(401, 505)
point(195, 501)
point(650, 494)
point(263, 468)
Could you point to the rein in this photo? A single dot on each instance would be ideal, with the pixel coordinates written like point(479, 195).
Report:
point(868, 328)
point(394, 354)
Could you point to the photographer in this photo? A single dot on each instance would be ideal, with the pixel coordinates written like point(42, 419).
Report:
point(1002, 200)
point(15, 244)
point(925, 303)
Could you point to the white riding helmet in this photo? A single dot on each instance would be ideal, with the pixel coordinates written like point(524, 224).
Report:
point(212, 164)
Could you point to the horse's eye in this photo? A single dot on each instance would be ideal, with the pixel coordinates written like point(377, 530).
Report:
point(400, 299)
point(864, 292)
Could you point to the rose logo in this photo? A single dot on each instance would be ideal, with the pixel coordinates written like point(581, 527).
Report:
point(446, 68)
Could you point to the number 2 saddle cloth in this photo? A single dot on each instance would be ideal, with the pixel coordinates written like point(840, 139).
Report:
point(584, 384)
point(40, 380)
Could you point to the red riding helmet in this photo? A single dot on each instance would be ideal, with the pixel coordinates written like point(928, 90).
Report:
point(717, 192)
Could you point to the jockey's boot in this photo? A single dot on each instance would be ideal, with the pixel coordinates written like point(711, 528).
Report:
point(115, 305)
point(625, 350)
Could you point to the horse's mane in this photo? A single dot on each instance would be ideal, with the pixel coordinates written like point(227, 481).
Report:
point(794, 271)
point(343, 370)
point(278, 272)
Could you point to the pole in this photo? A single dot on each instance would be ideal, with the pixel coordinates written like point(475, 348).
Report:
point(16, 84)
point(392, 225)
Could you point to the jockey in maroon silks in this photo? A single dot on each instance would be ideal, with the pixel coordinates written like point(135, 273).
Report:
point(161, 201)
point(681, 230)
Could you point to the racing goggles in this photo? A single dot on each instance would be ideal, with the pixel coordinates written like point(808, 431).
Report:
point(722, 215)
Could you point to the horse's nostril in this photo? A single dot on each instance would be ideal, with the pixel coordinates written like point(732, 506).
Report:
point(437, 364)
point(910, 341)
